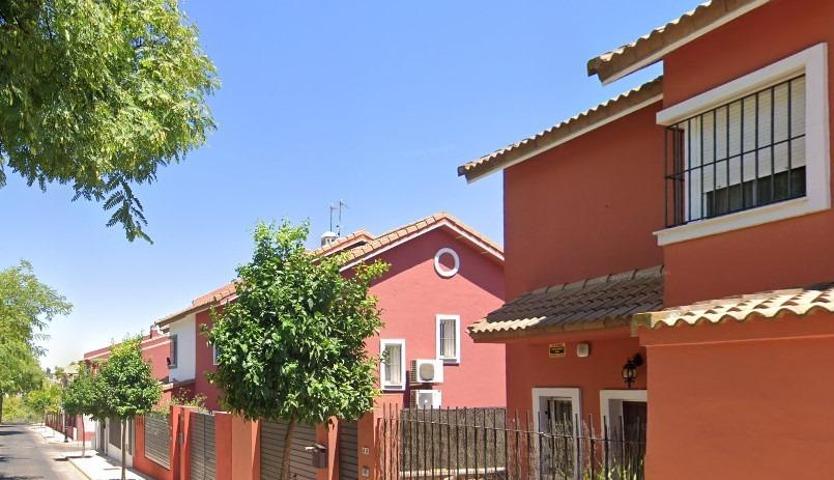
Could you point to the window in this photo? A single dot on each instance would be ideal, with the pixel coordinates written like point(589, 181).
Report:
point(448, 338)
point(172, 355)
point(752, 151)
point(214, 355)
point(741, 155)
point(392, 367)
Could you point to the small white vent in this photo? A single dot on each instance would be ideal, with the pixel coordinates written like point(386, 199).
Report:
point(426, 399)
point(427, 371)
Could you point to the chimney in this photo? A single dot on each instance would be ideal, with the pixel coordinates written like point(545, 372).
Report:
point(328, 237)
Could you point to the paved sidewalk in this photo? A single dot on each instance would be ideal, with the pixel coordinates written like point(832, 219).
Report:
point(94, 466)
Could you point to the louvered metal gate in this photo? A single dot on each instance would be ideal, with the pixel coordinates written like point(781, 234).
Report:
point(158, 438)
point(203, 456)
point(348, 451)
point(272, 449)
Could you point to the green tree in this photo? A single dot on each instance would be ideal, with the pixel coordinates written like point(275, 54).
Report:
point(125, 387)
point(46, 399)
point(292, 346)
point(26, 306)
point(80, 398)
point(100, 95)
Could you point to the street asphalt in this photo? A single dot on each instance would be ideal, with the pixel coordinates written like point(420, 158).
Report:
point(24, 455)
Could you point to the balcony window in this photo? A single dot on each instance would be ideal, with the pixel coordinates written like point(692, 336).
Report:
point(751, 151)
point(741, 155)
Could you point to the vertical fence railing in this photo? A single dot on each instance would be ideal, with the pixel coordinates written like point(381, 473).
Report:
point(492, 444)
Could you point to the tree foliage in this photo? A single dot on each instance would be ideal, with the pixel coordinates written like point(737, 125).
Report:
point(46, 399)
point(80, 398)
point(125, 386)
point(100, 95)
point(26, 306)
point(291, 347)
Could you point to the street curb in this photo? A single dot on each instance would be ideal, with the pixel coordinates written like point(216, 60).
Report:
point(82, 472)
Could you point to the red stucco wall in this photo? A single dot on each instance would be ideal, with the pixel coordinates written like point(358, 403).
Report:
point(587, 207)
point(412, 293)
point(742, 401)
point(531, 367)
point(204, 362)
point(794, 252)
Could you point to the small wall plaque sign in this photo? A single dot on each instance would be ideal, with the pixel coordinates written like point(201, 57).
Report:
point(556, 350)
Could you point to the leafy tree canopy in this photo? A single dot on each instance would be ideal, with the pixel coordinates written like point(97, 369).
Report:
point(125, 387)
point(26, 306)
point(79, 397)
point(46, 399)
point(100, 95)
point(292, 346)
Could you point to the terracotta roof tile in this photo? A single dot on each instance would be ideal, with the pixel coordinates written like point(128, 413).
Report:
point(649, 48)
point(600, 302)
point(768, 304)
point(561, 132)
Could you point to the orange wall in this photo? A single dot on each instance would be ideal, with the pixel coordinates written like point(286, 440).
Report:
point(723, 406)
point(587, 207)
point(529, 366)
point(412, 293)
point(794, 252)
point(204, 362)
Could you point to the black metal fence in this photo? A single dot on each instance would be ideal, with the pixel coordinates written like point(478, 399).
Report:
point(492, 444)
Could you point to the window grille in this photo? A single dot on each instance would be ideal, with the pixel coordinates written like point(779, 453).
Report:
point(741, 155)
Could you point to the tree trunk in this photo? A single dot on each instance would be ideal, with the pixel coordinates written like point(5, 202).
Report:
point(83, 435)
point(124, 450)
point(2, 395)
point(285, 459)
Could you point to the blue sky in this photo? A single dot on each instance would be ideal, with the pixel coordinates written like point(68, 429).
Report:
point(375, 103)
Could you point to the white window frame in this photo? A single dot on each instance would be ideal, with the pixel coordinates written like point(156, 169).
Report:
point(173, 351)
point(607, 397)
point(574, 393)
point(438, 318)
point(214, 355)
point(813, 63)
point(382, 367)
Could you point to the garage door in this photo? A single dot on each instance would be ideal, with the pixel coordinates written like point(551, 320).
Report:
point(348, 451)
point(201, 433)
point(272, 449)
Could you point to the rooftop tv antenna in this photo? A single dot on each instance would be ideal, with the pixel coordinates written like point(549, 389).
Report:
point(338, 207)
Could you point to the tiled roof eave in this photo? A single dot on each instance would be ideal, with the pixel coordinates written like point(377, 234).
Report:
point(567, 130)
point(651, 48)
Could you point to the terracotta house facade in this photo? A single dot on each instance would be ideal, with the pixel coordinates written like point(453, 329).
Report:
point(667, 252)
point(443, 277)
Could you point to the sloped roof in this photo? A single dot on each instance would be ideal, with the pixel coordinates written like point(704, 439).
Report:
point(651, 47)
point(341, 243)
point(768, 304)
point(356, 248)
point(573, 127)
point(408, 231)
point(601, 302)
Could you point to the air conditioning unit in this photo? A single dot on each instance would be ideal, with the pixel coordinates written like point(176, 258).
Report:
point(426, 399)
point(427, 371)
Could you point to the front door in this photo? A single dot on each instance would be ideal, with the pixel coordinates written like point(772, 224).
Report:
point(557, 412)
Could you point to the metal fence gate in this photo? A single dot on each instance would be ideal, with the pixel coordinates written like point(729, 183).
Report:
point(203, 456)
point(492, 444)
point(272, 449)
point(158, 438)
point(348, 451)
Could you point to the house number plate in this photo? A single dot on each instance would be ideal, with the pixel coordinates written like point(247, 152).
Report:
point(556, 350)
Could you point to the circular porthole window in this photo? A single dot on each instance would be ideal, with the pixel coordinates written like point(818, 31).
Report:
point(446, 262)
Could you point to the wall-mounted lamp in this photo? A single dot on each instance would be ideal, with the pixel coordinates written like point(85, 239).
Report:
point(630, 369)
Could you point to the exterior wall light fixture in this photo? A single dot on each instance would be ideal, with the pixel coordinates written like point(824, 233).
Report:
point(630, 369)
